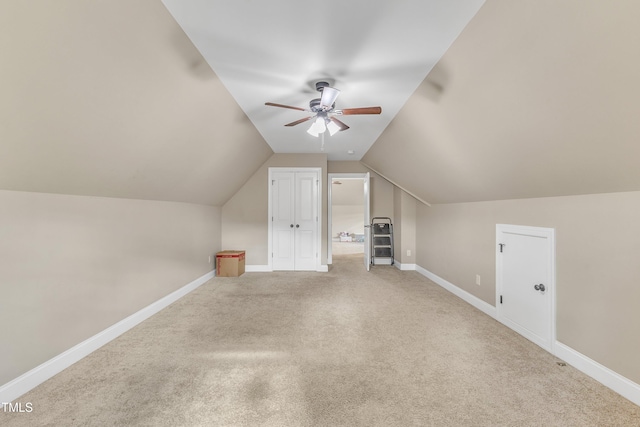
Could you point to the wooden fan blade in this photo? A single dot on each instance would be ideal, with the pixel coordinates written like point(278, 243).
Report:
point(272, 104)
point(297, 122)
point(364, 110)
point(339, 123)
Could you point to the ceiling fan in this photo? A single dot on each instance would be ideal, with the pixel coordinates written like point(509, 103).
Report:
point(325, 112)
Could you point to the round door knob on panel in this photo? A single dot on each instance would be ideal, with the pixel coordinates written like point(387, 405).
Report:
point(539, 287)
point(297, 225)
point(291, 225)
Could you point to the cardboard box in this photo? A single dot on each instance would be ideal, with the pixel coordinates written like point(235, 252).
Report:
point(230, 263)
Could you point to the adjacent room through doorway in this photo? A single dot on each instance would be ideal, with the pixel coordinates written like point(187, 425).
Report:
point(347, 216)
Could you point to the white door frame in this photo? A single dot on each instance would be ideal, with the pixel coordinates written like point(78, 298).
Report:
point(549, 234)
point(270, 214)
point(366, 176)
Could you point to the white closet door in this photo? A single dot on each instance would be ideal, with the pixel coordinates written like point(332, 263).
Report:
point(283, 220)
point(294, 218)
point(306, 224)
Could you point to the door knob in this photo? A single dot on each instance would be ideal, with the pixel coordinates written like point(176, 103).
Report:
point(297, 225)
point(291, 225)
point(539, 287)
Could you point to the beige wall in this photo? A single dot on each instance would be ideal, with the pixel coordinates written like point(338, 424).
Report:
point(409, 217)
point(244, 216)
point(397, 224)
point(347, 191)
point(71, 266)
point(598, 268)
point(404, 226)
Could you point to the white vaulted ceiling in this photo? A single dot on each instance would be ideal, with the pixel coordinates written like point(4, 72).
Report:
point(375, 53)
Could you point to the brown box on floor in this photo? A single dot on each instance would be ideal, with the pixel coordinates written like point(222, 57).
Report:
point(230, 263)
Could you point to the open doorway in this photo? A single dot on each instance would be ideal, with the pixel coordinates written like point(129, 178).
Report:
point(348, 211)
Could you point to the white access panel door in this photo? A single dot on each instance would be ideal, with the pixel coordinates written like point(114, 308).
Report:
point(525, 282)
point(283, 227)
point(306, 221)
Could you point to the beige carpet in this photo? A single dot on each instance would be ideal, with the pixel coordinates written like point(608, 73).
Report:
point(344, 348)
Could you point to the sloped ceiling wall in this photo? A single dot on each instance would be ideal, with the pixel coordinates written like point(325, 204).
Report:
point(110, 98)
point(533, 99)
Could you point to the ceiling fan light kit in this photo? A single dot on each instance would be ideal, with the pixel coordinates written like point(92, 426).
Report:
point(317, 127)
point(324, 109)
point(329, 95)
point(333, 128)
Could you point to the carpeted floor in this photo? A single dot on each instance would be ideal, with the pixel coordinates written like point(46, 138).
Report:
point(344, 348)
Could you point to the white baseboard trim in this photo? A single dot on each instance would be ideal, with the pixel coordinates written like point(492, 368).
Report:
point(29, 380)
point(616, 382)
point(405, 266)
point(257, 269)
point(481, 305)
point(324, 268)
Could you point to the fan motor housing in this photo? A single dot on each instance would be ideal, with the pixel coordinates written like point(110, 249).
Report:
point(321, 85)
point(314, 105)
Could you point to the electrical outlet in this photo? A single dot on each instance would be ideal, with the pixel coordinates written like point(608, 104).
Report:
point(478, 279)
point(408, 252)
